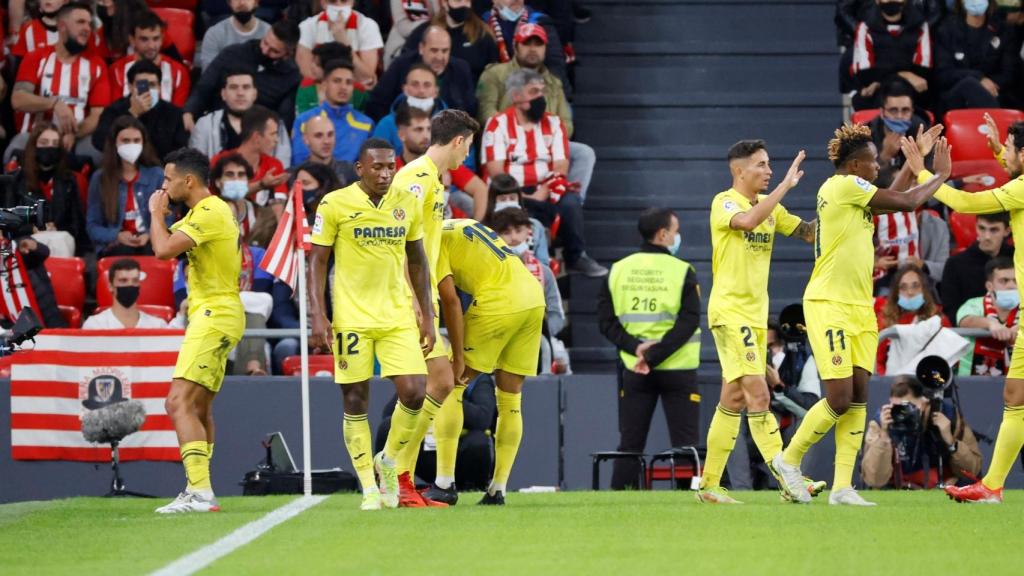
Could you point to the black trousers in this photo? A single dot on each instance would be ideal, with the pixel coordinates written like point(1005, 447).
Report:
point(638, 395)
point(570, 230)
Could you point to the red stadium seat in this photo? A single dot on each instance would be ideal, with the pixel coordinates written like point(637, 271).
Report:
point(68, 278)
point(319, 365)
point(865, 116)
point(963, 228)
point(179, 31)
point(967, 133)
point(165, 313)
point(157, 281)
point(72, 315)
point(182, 4)
point(991, 171)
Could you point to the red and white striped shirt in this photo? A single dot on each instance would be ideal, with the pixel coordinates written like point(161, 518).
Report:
point(528, 154)
point(897, 233)
point(175, 82)
point(34, 35)
point(81, 84)
point(864, 47)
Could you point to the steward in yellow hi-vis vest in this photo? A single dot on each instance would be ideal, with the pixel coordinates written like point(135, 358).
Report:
point(650, 309)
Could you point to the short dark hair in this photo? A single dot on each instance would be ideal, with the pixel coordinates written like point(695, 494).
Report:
point(191, 161)
point(147, 20)
point(374, 144)
point(70, 6)
point(1016, 133)
point(422, 67)
point(335, 64)
point(997, 263)
point(996, 218)
point(229, 72)
point(286, 31)
point(903, 385)
point(121, 264)
point(406, 114)
point(447, 124)
point(144, 67)
point(652, 220)
point(510, 218)
point(234, 158)
point(255, 120)
point(896, 88)
point(744, 149)
point(332, 51)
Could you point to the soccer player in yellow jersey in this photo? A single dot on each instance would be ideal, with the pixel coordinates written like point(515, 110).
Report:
point(451, 137)
point(744, 224)
point(499, 333)
point(208, 234)
point(841, 324)
point(373, 230)
point(1006, 198)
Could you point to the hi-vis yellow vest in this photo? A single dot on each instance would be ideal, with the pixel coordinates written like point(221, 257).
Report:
point(647, 290)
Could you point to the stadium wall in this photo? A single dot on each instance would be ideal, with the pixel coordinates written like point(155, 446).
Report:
point(250, 408)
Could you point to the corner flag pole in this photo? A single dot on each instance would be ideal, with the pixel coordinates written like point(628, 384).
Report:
point(307, 464)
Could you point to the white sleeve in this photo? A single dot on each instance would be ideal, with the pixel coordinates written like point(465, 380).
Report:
point(809, 381)
point(307, 32)
point(369, 35)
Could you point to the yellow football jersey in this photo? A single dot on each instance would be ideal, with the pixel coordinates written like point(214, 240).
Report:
point(740, 261)
point(215, 263)
point(482, 265)
point(370, 290)
point(422, 179)
point(844, 252)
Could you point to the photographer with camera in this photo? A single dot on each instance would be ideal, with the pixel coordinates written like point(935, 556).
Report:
point(915, 433)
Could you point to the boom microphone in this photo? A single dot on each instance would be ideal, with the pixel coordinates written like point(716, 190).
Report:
point(114, 422)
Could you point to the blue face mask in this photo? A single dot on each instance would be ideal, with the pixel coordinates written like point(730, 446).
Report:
point(897, 126)
point(674, 248)
point(510, 14)
point(912, 304)
point(234, 189)
point(1007, 299)
point(976, 7)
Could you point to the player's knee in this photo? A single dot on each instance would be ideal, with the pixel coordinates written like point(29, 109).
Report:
point(355, 398)
point(758, 401)
point(839, 402)
point(412, 397)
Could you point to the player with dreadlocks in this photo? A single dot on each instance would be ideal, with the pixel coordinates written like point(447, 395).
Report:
point(841, 323)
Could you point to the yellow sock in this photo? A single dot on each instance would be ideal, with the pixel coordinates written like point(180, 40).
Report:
point(816, 423)
point(196, 460)
point(403, 424)
point(849, 437)
point(765, 430)
point(1008, 444)
point(507, 436)
point(209, 449)
point(725, 427)
point(447, 429)
point(411, 452)
point(359, 443)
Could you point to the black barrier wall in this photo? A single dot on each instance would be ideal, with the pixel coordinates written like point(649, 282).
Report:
point(248, 409)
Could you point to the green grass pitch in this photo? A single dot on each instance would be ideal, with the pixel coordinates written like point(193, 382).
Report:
point(562, 533)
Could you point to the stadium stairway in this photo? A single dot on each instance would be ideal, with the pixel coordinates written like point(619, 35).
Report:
point(663, 88)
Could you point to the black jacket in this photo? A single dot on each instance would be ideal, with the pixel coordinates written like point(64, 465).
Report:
point(963, 278)
point(962, 51)
point(458, 89)
point(478, 54)
point(164, 127)
point(891, 54)
point(276, 83)
point(64, 208)
point(42, 287)
point(687, 321)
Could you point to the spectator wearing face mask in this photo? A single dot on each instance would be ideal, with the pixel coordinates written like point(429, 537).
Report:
point(964, 275)
point(339, 22)
point(420, 91)
point(125, 278)
point(895, 120)
point(892, 41)
point(260, 128)
point(241, 27)
point(976, 58)
point(229, 178)
point(507, 16)
point(163, 120)
point(472, 40)
point(504, 193)
point(911, 300)
point(997, 311)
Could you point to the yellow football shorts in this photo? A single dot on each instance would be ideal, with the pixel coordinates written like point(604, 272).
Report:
point(1017, 360)
point(506, 342)
point(212, 333)
point(741, 350)
point(842, 336)
point(397, 350)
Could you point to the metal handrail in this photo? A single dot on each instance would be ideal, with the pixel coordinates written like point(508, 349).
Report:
point(892, 334)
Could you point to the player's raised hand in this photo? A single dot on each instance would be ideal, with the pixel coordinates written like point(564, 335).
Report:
point(943, 161)
point(794, 174)
point(913, 155)
point(926, 139)
point(992, 134)
point(158, 204)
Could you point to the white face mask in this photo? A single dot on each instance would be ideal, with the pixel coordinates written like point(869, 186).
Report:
point(425, 104)
point(777, 358)
point(334, 13)
point(154, 97)
point(499, 206)
point(234, 189)
point(129, 152)
point(519, 249)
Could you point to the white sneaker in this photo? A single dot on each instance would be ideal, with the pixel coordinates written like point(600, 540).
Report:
point(387, 480)
point(847, 497)
point(190, 502)
point(792, 480)
point(371, 501)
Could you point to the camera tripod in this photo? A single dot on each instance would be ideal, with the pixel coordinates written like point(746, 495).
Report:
point(117, 485)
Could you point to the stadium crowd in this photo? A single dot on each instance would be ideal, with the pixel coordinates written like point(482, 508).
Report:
point(96, 94)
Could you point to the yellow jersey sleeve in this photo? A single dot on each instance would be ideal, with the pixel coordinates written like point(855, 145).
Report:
point(1010, 196)
point(855, 191)
point(785, 222)
point(325, 226)
point(722, 210)
point(202, 224)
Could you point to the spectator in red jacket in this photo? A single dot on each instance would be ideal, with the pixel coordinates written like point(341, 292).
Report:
point(146, 39)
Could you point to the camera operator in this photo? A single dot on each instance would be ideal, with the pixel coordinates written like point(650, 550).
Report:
point(910, 433)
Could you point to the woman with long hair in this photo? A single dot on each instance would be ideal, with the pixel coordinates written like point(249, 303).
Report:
point(317, 180)
point(117, 216)
point(911, 299)
point(45, 175)
point(472, 39)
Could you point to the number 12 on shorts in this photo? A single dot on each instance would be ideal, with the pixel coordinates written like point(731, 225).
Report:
point(834, 335)
point(348, 343)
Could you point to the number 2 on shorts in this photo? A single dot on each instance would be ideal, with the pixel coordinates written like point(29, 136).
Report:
point(748, 336)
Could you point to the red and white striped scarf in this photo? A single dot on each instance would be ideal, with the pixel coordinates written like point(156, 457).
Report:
point(991, 357)
point(504, 55)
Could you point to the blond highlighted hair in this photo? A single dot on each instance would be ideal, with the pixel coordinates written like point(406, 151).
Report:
point(849, 139)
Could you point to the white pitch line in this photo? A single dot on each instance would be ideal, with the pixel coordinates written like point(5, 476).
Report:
point(209, 554)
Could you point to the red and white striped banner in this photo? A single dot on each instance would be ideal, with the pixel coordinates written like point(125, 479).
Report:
point(292, 234)
point(50, 383)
